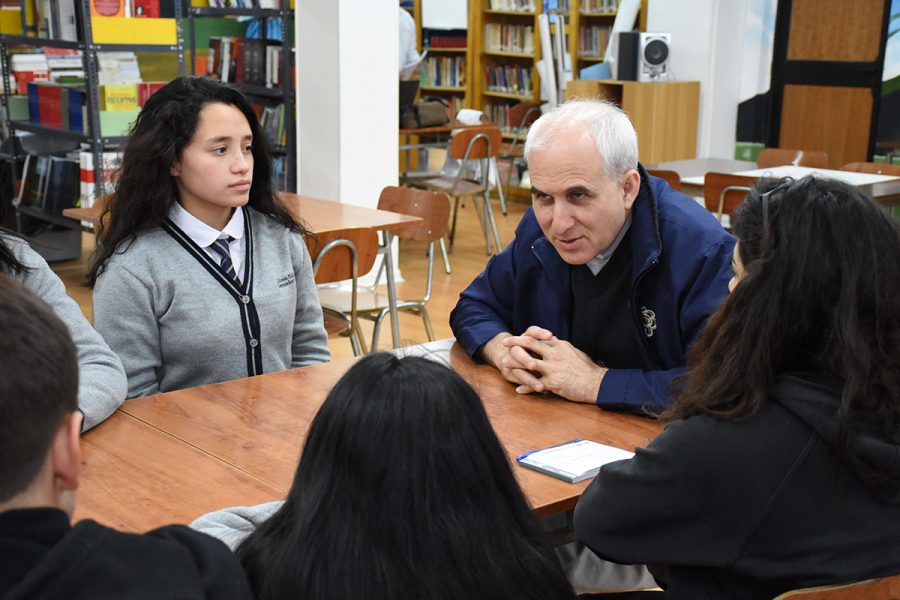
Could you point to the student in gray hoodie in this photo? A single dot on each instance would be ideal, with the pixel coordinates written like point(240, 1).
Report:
point(780, 468)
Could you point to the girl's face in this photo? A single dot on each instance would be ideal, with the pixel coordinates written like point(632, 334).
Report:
point(215, 171)
point(737, 267)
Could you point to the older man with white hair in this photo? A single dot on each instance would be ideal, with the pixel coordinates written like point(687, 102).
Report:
point(611, 276)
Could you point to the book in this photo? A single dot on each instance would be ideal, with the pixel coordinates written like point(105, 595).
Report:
point(573, 461)
point(107, 8)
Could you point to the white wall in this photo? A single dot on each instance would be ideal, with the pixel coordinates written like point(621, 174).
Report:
point(347, 99)
point(706, 47)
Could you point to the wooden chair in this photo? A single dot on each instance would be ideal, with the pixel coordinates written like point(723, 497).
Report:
point(434, 208)
point(338, 256)
point(671, 177)
point(723, 192)
point(874, 168)
point(478, 145)
point(776, 157)
point(886, 588)
point(523, 115)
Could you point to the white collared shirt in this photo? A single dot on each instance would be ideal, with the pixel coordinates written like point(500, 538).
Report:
point(203, 235)
point(597, 263)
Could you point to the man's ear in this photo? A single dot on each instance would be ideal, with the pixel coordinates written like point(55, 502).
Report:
point(65, 453)
point(631, 185)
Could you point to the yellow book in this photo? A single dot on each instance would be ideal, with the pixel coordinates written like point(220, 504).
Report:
point(115, 30)
point(119, 97)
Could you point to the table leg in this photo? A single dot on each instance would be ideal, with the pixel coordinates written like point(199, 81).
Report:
point(391, 287)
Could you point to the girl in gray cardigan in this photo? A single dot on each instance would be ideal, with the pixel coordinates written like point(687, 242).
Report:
point(203, 277)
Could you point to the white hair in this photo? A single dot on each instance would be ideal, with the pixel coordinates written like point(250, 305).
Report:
point(600, 120)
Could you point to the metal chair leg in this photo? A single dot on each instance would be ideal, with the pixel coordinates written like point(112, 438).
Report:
point(489, 217)
point(453, 224)
point(376, 328)
point(427, 320)
point(446, 258)
point(500, 192)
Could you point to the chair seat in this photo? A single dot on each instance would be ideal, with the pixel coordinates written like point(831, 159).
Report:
point(335, 323)
point(446, 184)
point(367, 300)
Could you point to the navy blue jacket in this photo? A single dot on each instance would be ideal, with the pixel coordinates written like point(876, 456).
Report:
point(681, 269)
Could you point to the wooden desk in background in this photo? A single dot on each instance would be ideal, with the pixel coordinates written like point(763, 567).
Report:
point(319, 216)
point(172, 457)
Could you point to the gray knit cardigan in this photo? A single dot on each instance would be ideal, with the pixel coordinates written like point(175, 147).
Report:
point(165, 308)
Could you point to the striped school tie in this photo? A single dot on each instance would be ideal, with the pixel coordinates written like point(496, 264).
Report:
point(221, 248)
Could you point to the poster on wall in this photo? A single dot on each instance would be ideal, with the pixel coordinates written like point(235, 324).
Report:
point(887, 136)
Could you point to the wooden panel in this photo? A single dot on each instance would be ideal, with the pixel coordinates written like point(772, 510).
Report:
point(136, 477)
point(835, 30)
point(833, 119)
point(664, 114)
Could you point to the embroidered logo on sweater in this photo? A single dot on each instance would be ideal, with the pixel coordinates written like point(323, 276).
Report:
point(649, 321)
point(285, 280)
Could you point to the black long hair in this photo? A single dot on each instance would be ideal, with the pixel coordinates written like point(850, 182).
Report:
point(9, 264)
point(402, 491)
point(146, 189)
point(820, 296)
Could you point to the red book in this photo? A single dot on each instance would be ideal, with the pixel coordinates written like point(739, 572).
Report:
point(146, 8)
point(238, 50)
point(50, 105)
point(147, 89)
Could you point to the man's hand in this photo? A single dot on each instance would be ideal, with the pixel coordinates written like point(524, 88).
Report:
point(508, 361)
point(550, 365)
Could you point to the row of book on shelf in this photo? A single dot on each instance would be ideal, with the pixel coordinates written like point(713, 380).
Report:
point(245, 3)
point(444, 38)
point(592, 40)
point(499, 114)
point(60, 19)
point(66, 66)
point(444, 71)
point(505, 37)
point(599, 6)
point(509, 79)
point(245, 61)
point(512, 5)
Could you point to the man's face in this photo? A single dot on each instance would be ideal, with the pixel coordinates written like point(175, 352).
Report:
point(577, 207)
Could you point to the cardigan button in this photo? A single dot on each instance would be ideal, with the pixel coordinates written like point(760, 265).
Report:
point(245, 299)
point(254, 343)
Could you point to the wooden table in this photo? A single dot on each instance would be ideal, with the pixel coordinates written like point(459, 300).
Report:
point(172, 457)
point(886, 192)
point(321, 215)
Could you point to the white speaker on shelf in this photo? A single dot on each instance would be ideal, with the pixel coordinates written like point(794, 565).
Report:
point(653, 56)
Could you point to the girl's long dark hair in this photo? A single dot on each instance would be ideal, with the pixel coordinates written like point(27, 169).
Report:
point(403, 491)
point(146, 189)
point(820, 296)
point(9, 264)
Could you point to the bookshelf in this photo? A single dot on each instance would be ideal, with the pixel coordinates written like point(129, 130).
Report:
point(591, 25)
point(88, 36)
point(275, 101)
point(445, 71)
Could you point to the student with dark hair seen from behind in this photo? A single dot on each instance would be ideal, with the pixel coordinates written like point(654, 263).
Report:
point(780, 468)
point(201, 275)
point(102, 383)
point(43, 556)
point(403, 491)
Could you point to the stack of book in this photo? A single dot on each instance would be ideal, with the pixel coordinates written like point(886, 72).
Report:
point(513, 5)
point(89, 188)
point(444, 38)
point(245, 61)
point(509, 79)
point(444, 71)
point(504, 37)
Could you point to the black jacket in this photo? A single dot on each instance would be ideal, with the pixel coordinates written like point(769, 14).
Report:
point(43, 557)
point(748, 508)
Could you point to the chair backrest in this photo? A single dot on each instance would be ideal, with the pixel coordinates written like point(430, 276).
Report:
point(776, 157)
point(723, 192)
point(871, 167)
point(886, 588)
point(333, 253)
point(523, 114)
point(474, 143)
point(433, 207)
point(672, 177)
